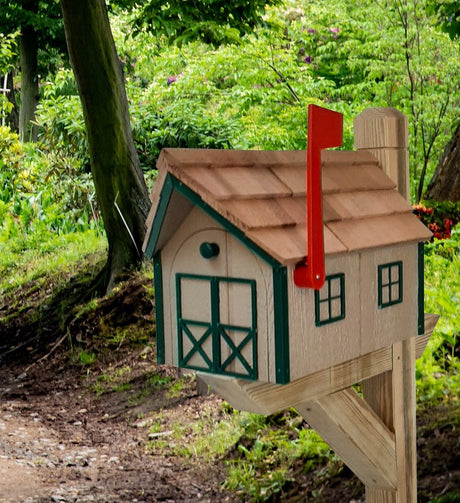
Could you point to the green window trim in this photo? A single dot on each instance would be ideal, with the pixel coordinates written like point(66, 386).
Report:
point(331, 298)
point(390, 284)
point(217, 331)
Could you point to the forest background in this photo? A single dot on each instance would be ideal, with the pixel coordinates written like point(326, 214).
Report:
point(210, 87)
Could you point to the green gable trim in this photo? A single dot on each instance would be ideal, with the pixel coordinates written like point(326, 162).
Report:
point(228, 226)
point(165, 197)
point(159, 306)
point(280, 301)
point(421, 288)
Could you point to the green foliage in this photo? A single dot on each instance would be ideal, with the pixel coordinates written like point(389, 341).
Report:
point(112, 380)
point(8, 52)
point(451, 497)
point(36, 258)
point(215, 21)
point(438, 371)
point(46, 20)
point(42, 192)
point(60, 118)
point(86, 358)
point(266, 450)
point(448, 12)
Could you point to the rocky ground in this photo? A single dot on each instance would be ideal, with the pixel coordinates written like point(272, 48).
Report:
point(60, 443)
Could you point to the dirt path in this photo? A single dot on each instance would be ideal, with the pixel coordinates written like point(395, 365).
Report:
point(63, 446)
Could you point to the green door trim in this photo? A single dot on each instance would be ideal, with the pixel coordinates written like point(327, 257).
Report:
point(216, 330)
point(281, 320)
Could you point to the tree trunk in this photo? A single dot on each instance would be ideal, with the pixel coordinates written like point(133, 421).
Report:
point(28, 53)
point(445, 184)
point(12, 118)
point(120, 186)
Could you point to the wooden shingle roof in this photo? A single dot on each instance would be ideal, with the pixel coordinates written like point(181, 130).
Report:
point(262, 193)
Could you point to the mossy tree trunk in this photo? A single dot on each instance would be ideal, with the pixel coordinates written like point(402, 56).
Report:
point(28, 53)
point(445, 184)
point(13, 117)
point(119, 182)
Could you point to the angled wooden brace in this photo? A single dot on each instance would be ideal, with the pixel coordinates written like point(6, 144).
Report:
point(375, 436)
point(355, 432)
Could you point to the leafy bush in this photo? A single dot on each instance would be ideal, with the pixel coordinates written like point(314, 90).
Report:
point(60, 119)
point(177, 125)
point(438, 371)
point(8, 56)
point(42, 192)
point(213, 22)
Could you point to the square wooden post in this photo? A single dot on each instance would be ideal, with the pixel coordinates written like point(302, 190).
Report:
point(392, 397)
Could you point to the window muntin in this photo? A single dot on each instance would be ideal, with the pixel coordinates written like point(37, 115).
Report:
point(390, 284)
point(330, 300)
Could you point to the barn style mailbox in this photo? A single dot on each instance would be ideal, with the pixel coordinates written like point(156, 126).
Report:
point(284, 278)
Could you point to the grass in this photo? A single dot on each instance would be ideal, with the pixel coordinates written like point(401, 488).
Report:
point(258, 451)
point(112, 380)
point(30, 260)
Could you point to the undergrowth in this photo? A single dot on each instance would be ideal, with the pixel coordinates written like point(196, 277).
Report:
point(438, 370)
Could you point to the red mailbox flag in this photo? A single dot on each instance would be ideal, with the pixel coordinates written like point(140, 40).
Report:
point(325, 130)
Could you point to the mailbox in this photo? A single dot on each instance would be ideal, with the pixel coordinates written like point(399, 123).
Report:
point(231, 236)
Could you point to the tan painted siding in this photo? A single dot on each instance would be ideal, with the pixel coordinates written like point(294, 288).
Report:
point(365, 327)
point(181, 254)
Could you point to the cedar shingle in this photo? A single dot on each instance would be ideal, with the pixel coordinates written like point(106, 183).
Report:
point(256, 213)
point(378, 231)
point(352, 205)
point(263, 194)
point(239, 182)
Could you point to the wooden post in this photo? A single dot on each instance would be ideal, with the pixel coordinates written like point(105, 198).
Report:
point(384, 132)
point(391, 395)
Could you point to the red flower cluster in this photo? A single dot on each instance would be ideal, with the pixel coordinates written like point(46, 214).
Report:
point(439, 225)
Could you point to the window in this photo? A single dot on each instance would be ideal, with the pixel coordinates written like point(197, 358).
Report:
point(330, 300)
point(390, 284)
